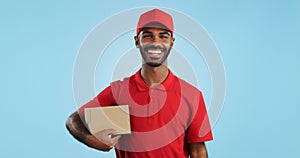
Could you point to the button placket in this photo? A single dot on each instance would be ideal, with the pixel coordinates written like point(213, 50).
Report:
point(153, 100)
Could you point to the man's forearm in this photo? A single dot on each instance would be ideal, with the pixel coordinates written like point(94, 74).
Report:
point(198, 150)
point(78, 130)
point(76, 127)
point(199, 155)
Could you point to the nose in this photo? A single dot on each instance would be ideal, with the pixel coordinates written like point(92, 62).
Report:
point(155, 39)
point(155, 43)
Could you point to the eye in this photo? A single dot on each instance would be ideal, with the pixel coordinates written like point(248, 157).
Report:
point(164, 37)
point(147, 36)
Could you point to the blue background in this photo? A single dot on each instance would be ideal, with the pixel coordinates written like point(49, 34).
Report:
point(258, 41)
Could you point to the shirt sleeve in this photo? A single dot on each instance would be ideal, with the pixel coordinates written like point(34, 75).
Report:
point(199, 129)
point(104, 98)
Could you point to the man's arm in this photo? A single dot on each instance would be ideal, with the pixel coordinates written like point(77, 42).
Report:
point(78, 130)
point(197, 150)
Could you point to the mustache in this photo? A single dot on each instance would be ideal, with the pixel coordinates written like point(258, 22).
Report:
point(155, 47)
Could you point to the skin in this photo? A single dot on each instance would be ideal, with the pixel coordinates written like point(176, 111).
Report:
point(197, 150)
point(154, 68)
point(100, 141)
point(154, 43)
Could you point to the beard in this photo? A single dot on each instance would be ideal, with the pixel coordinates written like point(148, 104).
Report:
point(154, 55)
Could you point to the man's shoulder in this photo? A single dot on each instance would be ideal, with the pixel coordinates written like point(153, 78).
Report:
point(187, 86)
point(121, 81)
point(124, 81)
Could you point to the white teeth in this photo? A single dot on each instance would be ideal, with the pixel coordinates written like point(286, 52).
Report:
point(154, 51)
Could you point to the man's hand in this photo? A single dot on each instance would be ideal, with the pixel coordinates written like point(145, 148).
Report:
point(77, 128)
point(108, 137)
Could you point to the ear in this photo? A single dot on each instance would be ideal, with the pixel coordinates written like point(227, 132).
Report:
point(172, 41)
point(137, 42)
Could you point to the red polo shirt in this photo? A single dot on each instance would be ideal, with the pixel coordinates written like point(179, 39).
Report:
point(163, 119)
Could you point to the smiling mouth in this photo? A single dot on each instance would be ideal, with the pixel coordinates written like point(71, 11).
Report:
point(154, 53)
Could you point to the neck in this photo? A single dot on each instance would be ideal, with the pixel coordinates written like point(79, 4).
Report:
point(154, 76)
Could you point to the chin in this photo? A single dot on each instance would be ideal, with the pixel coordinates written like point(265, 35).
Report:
point(153, 64)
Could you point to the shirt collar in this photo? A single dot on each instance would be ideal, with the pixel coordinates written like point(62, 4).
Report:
point(164, 86)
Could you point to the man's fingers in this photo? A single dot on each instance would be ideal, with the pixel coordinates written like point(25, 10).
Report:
point(109, 131)
point(108, 137)
point(115, 138)
point(105, 132)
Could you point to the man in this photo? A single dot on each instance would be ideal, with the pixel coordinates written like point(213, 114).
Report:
point(167, 115)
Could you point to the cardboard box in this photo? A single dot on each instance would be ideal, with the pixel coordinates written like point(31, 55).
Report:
point(110, 117)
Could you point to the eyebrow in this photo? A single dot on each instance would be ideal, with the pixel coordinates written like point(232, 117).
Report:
point(165, 32)
point(161, 33)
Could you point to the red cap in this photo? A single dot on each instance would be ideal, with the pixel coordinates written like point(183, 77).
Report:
point(155, 15)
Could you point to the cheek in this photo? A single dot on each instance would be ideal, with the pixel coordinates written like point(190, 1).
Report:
point(142, 46)
point(167, 46)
